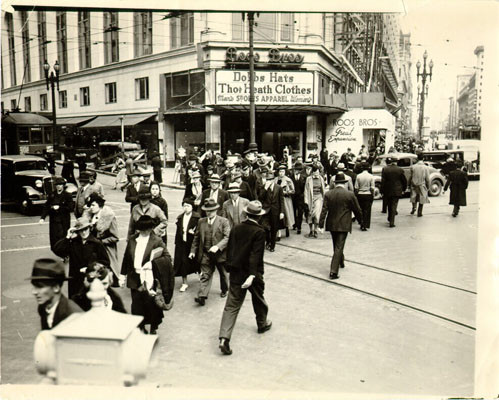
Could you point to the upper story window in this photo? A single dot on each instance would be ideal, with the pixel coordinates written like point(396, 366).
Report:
point(237, 26)
point(142, 33)
point(85, 96)
point(265, 27)
point(142, 88)
point(182, 30)
point(111, 37)
point(84, 44)
point(43, 102)
point(27, 104)
point(62, 41)
point(63, 99)
point(180, 85)
point(42, 41)
point(110, 92)
point(26, 46)
point(12, 48)
point(287, 27)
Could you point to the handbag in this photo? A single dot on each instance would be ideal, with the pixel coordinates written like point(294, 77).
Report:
point(159, 299)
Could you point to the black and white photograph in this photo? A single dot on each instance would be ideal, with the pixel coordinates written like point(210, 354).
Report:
point(224, 200)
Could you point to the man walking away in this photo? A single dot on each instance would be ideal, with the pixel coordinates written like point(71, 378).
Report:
point(393, 186)
point(419, 182)
point(458, 182)
point(245, 260)
point(339, 203)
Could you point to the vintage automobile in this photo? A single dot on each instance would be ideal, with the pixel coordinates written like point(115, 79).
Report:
point(405, 160)
point(26, 182)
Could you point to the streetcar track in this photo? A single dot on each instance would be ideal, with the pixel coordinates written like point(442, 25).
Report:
point(273, 264)
point(382, 269)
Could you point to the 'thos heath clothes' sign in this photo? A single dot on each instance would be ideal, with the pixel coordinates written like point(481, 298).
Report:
point(271, 87)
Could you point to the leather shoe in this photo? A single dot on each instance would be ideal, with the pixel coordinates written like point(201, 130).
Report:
point(224, 347)
point(200, 300)
point(333, 276)
point(266, 327)
point(223, 294)
point(392, 225)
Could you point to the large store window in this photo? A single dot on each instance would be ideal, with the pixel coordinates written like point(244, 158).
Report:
point(182, 30)
point(62, 44)
point(111, 37)
point(265, 29)
point(26, 47)
point(42, 41)
point(84, 45)
point(180, 85)
point(142, 33)
point(12, 48)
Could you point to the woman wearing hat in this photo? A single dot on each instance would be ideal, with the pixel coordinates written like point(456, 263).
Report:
point(194, 190)
point(187, 223)
point(82, 248)
point(58, 206)
point(288, 189)
point(47, 279)
point(144, 260)
point(145, 207)
point(314, 195)
point(104, 227)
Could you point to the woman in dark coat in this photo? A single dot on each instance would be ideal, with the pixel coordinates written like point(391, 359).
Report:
point(157, 199)
point(182, 263)
point(194, 190)
point(68, 171)
point(458, 182)
point(59, 206)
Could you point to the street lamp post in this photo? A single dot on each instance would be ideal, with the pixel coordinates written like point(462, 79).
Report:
point(424, 90)
point(53, 79)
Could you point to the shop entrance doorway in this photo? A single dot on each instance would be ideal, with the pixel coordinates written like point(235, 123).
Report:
point(275, 142)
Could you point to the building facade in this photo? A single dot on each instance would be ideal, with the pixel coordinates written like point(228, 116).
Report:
point(180, 79)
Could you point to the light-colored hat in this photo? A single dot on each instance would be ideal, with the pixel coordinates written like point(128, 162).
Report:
point(215, 178)
point(81, 223)
point(254, 208)
point(341, 166)
point(234, 188)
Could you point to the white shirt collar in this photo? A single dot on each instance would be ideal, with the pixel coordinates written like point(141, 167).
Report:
point(51, 313)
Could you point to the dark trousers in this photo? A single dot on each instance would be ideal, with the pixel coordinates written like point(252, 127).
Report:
point(392, 203)
point(298, 208)
point(208, 266)
point(383, 204)
point(271, 231)
point(365, 203)
point(339, 239)
point(235, 301)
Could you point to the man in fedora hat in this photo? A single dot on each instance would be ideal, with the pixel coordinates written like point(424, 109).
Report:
point(338, 205)
point(84, 190)
point(145, 207)
point(245, 262)
point(233, 208)
point(210, 249)
point(393, 186)
point(47, 279)
point(132, 191)
point(219, 195)
point(341, 169)
point(298, 197)
point(272, 197)
point(244, 186)
point(82, 248)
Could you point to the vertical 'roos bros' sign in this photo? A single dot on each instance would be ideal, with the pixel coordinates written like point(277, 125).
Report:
point(271, 87)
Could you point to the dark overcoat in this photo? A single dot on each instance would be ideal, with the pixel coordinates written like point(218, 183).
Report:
point(338, 205)
point(60, 219)
point(393, 181)
point(182, 264)
point(458, 183)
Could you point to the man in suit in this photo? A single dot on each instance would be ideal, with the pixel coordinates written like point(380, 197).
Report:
point(332, 166)
point(82, 193)
point(233, 208)
point(210, 249)
point(95, 187)
point(244, 186)
point(298, 197)
point(219, 195)
point(338, 205)
point(393, 185)
point(273, 204)
point(419, 183)
point(47, 279)
point(245, 259)
point(132, 191)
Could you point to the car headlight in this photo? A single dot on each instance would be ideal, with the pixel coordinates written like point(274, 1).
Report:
point(38, 183)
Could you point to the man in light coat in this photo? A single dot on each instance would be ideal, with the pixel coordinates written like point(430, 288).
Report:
point(233, 209)
point(419, 182)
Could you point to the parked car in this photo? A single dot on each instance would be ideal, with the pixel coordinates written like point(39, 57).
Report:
point(405, 160)
point(27, 182)
point(438, 158)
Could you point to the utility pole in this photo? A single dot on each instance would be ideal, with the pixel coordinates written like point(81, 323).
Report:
point(251, 22)
point(424, 90)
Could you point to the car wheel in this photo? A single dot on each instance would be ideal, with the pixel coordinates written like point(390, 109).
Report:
point(24, 205)
point(377, 192)
point(435, 188)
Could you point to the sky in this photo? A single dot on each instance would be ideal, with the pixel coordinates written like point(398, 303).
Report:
point(449, 31)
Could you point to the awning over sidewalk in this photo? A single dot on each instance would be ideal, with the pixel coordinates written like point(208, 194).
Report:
point(73, 120)
point(279, 108)
point(25, 119)
point(104, 121)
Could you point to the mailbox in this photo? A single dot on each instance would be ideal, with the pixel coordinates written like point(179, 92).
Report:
point(99, 347)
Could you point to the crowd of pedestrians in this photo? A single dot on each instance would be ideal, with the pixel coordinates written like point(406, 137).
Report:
point(233, 210)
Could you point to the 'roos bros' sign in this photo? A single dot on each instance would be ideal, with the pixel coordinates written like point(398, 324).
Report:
point(271, 87)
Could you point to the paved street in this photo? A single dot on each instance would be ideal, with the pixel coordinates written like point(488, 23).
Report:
point(400, 319)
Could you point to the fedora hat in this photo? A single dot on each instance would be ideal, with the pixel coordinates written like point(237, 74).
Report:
point(215, 178)
point(341, 166)
point(59, 180)
point(196, 174)
point(135, 172)
point(237, 175)
point(282, 166)
point(340, 178)
point(144, 223)
point(298, 166)
point(261, 162)
point(144, 193)
point(210, 205)
point(192, 157)
point(48, 269)
point(81, 223)
point(254, 208)
point(188, 200)
point(234, 188)
point(84, 176)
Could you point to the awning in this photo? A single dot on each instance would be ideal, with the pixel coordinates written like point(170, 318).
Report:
point(26, 119)
point(279, 108)
point(187, 111)
point(73, 120)
point(104, 121)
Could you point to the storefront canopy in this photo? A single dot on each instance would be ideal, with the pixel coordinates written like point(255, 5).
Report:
point(73, 120)
point(25, 119)
point(280, 108)
point(105, 121)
